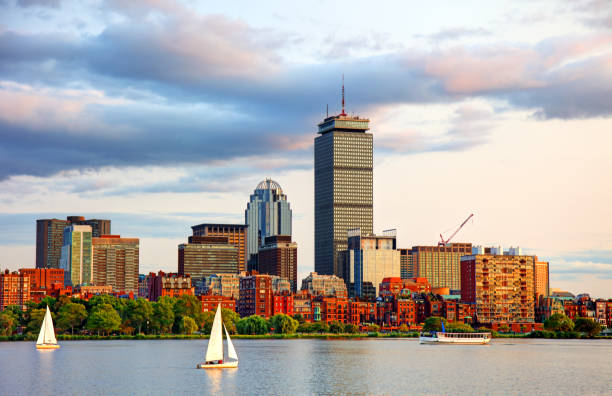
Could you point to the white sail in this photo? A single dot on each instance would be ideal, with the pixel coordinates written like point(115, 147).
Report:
point(47, 333)
point(215, 342)
point(231, 352)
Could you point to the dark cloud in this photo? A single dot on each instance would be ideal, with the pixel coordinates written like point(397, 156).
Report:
point(193, 89)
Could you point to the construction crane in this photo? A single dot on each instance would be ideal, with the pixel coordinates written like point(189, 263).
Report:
point(445, 242)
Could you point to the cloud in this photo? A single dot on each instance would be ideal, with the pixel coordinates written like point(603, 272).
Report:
point(457, 33)
point(39, 3)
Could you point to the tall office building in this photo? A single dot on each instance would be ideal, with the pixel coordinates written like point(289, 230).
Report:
point(343, 185)
point(50, 237)
point(77, 254)
point(540, 273)
point(441, 265)
point(116, 262)
point(236, 233)
point(207, 255)
point(278, 256)
point(369, 259)
point(406, 264)
point(14, 289)
point(267, 214)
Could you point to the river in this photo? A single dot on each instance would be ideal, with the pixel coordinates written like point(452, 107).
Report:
point(310, 367)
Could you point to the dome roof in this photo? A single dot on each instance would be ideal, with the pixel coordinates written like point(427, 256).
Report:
point(269, 184)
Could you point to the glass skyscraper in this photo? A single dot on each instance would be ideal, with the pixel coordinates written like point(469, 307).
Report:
point(343, 186)
point(77, 255)
point(267, 214)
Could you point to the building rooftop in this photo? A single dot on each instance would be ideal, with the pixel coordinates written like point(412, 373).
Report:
point(345, 123)
point(269, 184)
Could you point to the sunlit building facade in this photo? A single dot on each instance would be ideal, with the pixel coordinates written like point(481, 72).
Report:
point(77, 255)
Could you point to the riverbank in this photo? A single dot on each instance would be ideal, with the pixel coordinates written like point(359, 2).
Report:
point(326, 336)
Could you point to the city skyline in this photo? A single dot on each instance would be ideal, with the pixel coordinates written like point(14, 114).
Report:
point(479, 112)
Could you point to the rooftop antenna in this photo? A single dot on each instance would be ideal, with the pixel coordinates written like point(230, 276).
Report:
point(343, 113)
point(327, 111)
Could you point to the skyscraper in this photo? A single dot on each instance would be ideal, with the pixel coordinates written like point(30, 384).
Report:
point(441, 265)
point(278, 256)
point(343, 185)
point(267, 214)
point(77, 252)
point(237, 235)
point(207, 255)
point(116, 262)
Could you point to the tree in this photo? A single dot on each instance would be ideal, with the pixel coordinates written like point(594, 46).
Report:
point(320, 327)
point(104, 317)
point(283, 324)
point(335, 327)
point(189, 325)
point(187, 305)
point(559, 322)
point(351, 328)
point(504, 328)
point(403, 329)
point(588, 326)
point(163, 314)
point(71, 315)
point(8, 323)
point(305, 328)
point(458, 327)
point(433, 323)
point(140, 313)
point(35, 319)
point(18, 314)
point(253, 324)
point(299, 318)
point(207, 319)
point(373, 328)
point(229, 319)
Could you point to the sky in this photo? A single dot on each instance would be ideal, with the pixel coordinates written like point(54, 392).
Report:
point(160, 115)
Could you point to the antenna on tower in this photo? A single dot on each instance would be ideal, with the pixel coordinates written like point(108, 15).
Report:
point(343, 113)
point(327, 111)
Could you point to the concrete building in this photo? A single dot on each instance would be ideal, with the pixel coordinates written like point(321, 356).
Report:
point(343, 186)
point(14, 289)
point(324, 285)
point(501, 287)
point(236, 233)
point(226, 285)
point(208, 255)
point(116, 262)
point(406, 264)
point(369, 258)
point(441, 265)
point(267, 214)
point(278, 256)
point(77, 255)
point(540, 274)
point(50, 237)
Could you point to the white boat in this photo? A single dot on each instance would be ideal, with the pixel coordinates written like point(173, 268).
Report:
point(214, 352)
point(439, 337)
point(46, 337)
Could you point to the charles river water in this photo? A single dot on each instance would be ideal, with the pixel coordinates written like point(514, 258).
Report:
point(310, 367)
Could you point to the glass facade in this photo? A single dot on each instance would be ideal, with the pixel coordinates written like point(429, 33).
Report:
point(76, 259)
point(343, 186)
point(267, 214)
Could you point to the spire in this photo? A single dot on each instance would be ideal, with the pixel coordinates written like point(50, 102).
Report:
point(343, 112)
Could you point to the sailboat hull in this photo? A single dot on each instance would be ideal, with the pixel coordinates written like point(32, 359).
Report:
point(219, 366)
point(43, 346)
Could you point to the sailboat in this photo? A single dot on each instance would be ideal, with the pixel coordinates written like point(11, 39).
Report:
point(214, 353)
point(46, 337)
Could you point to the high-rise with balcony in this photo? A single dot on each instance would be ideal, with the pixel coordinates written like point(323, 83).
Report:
point(268, 213)
point(343, 185)
point(116, 262)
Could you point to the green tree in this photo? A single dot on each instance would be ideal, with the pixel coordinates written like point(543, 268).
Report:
point(35, 319)
point(351, 328)
point(373, 328)
point(559, 322)
point(504, 328)
point(299, 318)
point(8, 322)
point(458, 327)
point(163, 314)
point(207, 319)
point(305, 328)
point(71, 315)
point(18, 314)
point(433, 323)
point(335, 327)
point(403, 329)
point(104, 317)
point(140, 312)
point(189, 325)
point(187, 305)
point(588, 326)
point(50, 302)
point(253, 324)
point(283, 324)
point(320, 327)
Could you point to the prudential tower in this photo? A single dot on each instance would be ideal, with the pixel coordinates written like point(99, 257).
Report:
point(343, 185)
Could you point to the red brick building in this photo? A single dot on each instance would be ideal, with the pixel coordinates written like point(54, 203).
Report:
point(362, 312)
point(256, 295)
point(333, 309)
point(211, 302)
point(302, 305)
point(171, 284)
point(394, 312)
point(283, 304)
point(14, 289)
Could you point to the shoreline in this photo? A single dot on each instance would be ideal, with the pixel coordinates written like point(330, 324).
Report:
point(326, 336)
